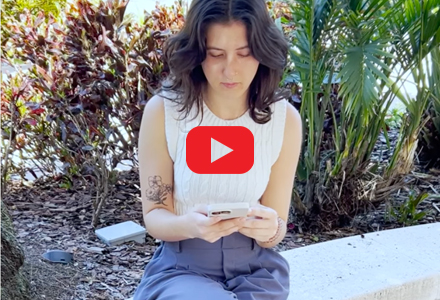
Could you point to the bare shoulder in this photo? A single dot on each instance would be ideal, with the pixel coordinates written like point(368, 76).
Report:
point(153, 118)
point(155, 106)
point(152, 125)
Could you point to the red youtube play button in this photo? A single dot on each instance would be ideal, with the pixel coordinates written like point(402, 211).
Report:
point(220, 150)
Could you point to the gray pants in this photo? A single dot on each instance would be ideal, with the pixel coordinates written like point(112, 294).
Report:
point(234, 267)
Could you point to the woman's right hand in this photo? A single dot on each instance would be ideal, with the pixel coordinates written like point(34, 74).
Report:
point(211, 229)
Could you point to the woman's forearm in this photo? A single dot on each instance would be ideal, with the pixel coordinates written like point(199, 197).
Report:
point(166, 226)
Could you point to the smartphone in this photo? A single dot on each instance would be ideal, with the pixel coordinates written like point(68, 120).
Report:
point(228, 210)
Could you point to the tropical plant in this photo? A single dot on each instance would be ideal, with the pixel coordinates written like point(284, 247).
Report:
point(394, 118)
point(82, 99)
point(407, 213)
point(430, 135)
point(34, 6)
point(11, 9)
point(336, 42)
point(15, 120)
point(353, 47)
point(416, 35)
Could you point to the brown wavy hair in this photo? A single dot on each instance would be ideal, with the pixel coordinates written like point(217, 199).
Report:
point(185, 51)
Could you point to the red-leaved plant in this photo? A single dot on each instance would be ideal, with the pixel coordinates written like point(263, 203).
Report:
point(80, 104)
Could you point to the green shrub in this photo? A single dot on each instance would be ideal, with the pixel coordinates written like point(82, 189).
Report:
point(11, 9)
point(407, 213)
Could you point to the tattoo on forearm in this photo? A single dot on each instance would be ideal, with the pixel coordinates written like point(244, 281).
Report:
point(158, 191)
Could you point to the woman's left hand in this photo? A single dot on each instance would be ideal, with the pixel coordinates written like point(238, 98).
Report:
point(264, 226)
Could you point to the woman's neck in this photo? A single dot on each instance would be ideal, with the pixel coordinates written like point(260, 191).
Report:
point(224, 107)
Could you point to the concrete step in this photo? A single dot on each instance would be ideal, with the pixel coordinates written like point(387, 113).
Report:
point(398, 264)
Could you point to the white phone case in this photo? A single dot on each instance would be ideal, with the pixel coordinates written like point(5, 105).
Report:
point(228, 210)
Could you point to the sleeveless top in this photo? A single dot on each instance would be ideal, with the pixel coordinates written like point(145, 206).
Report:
point(191, 188)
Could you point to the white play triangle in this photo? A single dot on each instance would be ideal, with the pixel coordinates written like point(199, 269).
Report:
point(219, 154)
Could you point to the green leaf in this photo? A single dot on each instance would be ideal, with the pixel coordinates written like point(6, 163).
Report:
point(419, 216)
point(420, 198)
point(322, 14)
point(293, 77)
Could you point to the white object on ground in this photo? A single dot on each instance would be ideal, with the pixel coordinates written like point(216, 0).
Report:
point(122, 232)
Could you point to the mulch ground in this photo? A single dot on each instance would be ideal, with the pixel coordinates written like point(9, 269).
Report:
point(48, 217)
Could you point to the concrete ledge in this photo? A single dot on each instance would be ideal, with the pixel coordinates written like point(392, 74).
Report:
point(399, 264)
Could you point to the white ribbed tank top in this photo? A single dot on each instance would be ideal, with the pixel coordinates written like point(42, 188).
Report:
point(191, 188)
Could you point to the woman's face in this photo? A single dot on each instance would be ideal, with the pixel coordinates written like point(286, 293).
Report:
point(229, 66)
